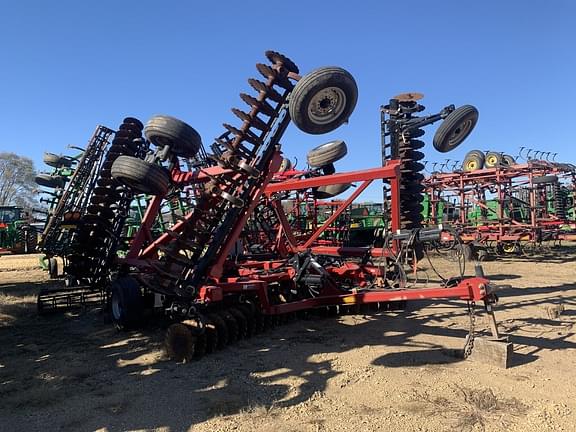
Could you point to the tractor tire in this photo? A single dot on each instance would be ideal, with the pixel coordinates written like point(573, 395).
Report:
point(473, 162)
point(182, 138)
point(26, 240)
point(56, 161)
point(455, 128)
point(140, 175)
point(324, 192)
point(493, 160)
point(326, 153)
point(50, 181)
point(126, 303)
point(545, 179)
point(323, 100)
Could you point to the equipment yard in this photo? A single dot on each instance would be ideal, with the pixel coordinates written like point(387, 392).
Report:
point(384, 371)
point(378, 233)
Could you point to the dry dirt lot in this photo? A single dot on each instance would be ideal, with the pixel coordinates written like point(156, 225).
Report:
point(385, 372)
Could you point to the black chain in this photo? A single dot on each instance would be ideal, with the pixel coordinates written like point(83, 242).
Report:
point(469, 345)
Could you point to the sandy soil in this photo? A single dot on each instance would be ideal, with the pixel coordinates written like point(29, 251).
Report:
point(390, 371)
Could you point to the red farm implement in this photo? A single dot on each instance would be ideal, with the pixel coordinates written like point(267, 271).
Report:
point(234, 261)
point(508, 208)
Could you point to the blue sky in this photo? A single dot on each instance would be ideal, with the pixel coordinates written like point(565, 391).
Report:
point(68, 66)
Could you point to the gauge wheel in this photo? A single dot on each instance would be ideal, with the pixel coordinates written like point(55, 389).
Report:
point(323, 100)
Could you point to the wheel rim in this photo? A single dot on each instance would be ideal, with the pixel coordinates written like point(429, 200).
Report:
point(508, 248)
point(471, 165)
point(116, 308)
point(491, 160)
point(327, 105)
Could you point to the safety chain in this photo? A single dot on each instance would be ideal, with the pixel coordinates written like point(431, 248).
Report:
point(469, 345)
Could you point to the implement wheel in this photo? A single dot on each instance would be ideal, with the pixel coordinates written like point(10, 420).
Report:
point(545, 179)
point(182, 138)
point(324, 192)
point(56, 161)
point(141, 176)
point(50, 181)
point(323, 100)
point(455, 128)
point(493, 159)
point(126, 303)
point(473, 162)
point(327, 153)
point(508, 160)
point(52, 268)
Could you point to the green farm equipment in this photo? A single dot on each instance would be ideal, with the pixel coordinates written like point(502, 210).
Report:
point(17, 235)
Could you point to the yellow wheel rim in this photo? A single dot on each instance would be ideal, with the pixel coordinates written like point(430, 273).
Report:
point(509, 248)
point(492, 160)
point(471, 165)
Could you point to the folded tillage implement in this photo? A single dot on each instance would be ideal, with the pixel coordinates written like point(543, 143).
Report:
point(230, 264)
point(501, 206)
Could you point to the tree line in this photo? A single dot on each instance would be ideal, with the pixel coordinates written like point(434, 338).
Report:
point(17, 185)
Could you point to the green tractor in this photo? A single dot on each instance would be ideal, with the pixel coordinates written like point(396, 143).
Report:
point(17, 235)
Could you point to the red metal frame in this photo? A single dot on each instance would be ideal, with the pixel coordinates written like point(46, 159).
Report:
point(469, 189)
point(253, 277)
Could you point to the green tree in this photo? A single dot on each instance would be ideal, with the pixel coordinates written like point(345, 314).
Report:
point(16, 180)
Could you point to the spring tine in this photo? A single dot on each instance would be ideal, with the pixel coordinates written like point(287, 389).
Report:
point(263, 106)
point(520, 152)
point(554, 156)
point(261, 87)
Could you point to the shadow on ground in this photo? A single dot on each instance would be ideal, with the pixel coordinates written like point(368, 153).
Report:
point(77, 371)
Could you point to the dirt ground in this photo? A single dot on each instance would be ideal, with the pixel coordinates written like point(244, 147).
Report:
point(386, 372)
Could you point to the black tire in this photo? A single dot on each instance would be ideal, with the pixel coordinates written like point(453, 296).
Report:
point(508, 160)
point(481, 255)
point(53, 268)
point(324, 192)
point(56, 161)
point(473, 162)
point(475, 152)
point(455, 128)
point(182, 138)
point(544, 179)
point(285, 165)
point(327, 153)
point(126, 303)
point(467, 251)
point(50, 181)
point(323, 100)
point(140, 175)
point(26, 239)
point(493, 160)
